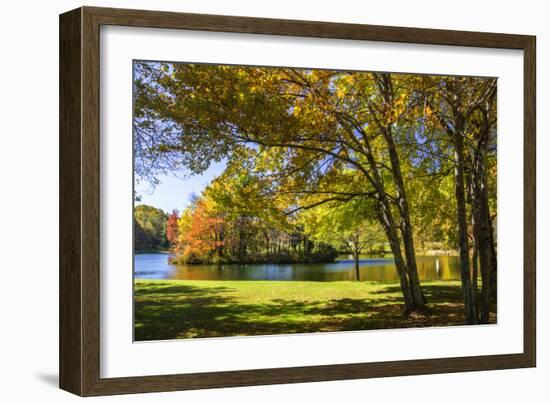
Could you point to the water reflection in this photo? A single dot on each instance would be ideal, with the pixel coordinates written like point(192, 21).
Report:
point(156, 266)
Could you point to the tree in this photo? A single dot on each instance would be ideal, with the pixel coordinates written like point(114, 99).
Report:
point(465, 109)
point(150, 228)
point(172, 228)
point(347, 226)
point(483, 121)
point(204, 238)
point(143, 240)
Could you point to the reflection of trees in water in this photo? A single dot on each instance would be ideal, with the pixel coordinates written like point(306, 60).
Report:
point(151, 266)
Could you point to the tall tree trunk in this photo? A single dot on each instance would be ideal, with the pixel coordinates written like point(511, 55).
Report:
point(385, 217)
point(475, 305)
point(385, 86)
point(461, 218)
point(357, 273)
point(482, 225)
point(493, 263)
point(406, 226)
point(388, 224)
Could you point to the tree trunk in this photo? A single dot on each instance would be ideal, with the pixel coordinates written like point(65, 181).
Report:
point(462, 225)
point(406, 226)
point(484, 254)
point(402, 202)
point(357, 273)
point(475, 305)
point(386, 219)
point(482, 225)
point(493, 263)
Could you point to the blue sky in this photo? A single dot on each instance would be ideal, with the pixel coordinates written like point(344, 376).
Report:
point(174, 191)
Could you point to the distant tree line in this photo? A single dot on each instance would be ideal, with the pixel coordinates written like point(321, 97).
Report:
point(228, 223)
point(150, 229)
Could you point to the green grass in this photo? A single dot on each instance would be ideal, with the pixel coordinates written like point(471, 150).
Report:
point(172, 309)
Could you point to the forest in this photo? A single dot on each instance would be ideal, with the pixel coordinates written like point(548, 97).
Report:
point(150, 229)
point(322, 162)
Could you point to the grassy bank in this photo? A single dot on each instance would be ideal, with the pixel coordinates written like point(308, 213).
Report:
point(171, 309)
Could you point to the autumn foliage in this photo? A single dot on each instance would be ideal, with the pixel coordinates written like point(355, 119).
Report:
point(418, 150)
point(172, 228)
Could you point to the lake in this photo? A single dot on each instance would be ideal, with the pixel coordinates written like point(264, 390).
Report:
point(156, 266)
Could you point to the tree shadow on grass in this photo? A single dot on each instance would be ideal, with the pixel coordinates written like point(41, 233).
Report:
point(434, 293)
point(166, 289)
point(165, 311)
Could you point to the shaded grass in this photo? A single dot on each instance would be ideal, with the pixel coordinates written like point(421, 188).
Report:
point(172, 309)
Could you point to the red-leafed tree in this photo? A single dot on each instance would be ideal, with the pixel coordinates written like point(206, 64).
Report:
point(172, 231)
point(205, 235)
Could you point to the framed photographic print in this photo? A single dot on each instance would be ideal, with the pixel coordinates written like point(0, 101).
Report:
point(249, 201)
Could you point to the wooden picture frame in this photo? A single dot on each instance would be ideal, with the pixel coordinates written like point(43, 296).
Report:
point(80, 187)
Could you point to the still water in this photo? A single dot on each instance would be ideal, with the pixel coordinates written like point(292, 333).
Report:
point(156, 266)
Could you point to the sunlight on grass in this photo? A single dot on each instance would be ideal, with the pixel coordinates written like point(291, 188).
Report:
point(170, 309)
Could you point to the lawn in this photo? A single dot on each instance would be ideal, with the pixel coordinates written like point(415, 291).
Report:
point(174, 309)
